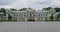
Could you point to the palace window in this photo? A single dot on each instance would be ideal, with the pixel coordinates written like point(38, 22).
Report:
point(41, 14)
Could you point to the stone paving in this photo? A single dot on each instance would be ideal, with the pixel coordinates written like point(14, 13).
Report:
point(29, 26)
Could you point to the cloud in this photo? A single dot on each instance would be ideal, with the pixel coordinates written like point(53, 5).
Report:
point(28, 3)
point(37, 4)
point(5, 2)
point(55, 3)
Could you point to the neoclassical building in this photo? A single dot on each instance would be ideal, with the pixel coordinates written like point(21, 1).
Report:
point(1, 16)
point(30, 15)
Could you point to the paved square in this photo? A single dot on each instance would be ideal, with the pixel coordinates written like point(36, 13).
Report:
point(29, 26)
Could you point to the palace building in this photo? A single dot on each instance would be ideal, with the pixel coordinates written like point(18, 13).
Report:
point(29, 15)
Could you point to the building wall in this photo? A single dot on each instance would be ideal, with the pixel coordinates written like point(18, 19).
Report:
point(25, 15)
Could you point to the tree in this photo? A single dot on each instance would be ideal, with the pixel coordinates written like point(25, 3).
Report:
point(13, 9)
point(4, 11)
point(57, 9)
point(43, 9)
point(23, 9)
point(9, 17)
point(48, 8)
point(30, 8)
point(0, 10)
point(51, 17)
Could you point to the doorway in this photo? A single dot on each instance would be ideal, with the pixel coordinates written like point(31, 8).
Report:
point(31, 17)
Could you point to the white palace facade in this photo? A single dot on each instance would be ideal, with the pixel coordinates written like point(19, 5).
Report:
point(29, 15)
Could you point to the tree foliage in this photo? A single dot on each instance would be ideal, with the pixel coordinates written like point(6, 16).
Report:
point(51, 17)
point(9, 17)
point(4, 11)
point(48, 8)
point(13, 9)
point(23, 9)
point(57, 9)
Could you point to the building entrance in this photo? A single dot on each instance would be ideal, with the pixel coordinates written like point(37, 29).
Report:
point(31, 17)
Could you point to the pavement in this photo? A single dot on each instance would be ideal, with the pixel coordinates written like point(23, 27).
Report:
point(29, 26)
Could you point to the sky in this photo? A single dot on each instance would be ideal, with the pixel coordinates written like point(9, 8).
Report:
point(36, 4)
